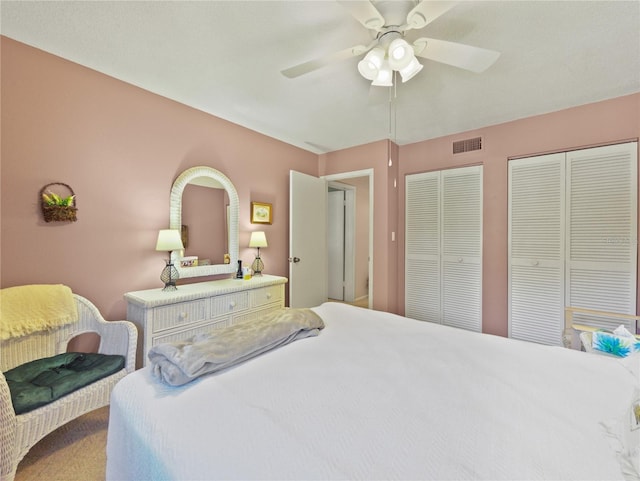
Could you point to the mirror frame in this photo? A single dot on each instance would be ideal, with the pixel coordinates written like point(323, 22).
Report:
point(175, 220)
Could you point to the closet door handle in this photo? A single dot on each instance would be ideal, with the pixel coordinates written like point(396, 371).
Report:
point(294, 259)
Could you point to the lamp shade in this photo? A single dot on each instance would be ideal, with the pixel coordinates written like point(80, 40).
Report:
point(411, 70)
point(384, 77)
point(400, 54)
point(258, 239)
point(169, 240)
point(371, 63)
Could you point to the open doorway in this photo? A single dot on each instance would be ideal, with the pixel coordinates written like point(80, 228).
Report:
point(341, 236)
point(350, 239)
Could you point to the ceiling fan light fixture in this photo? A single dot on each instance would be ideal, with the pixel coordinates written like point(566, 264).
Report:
point(411, 70)
point(400, 54)
point(384, 77)
point(371, 64)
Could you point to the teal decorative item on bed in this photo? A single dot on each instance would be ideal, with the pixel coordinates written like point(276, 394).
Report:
point(610, 343)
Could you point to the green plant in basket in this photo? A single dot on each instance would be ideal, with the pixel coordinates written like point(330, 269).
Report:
point(51, 198)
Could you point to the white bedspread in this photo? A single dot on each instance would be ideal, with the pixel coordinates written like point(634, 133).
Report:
point(378, 396)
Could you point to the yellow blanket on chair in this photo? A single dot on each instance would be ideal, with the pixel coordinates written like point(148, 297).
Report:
point(32, 308)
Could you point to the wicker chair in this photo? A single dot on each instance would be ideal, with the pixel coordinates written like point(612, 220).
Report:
point(18, 433)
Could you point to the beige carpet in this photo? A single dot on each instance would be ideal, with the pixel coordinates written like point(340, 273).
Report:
point(73, 452)
point(362, 302)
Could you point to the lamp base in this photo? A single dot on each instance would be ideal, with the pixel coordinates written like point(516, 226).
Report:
point(169, 276)
point(257, 266)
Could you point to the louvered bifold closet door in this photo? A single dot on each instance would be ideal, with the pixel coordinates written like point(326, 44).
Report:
point(536, 248)
point(422, 249)
point(443, 253)
point(602, 231)
point(462, 248)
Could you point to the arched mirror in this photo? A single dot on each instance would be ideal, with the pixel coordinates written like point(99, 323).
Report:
point(213, 234)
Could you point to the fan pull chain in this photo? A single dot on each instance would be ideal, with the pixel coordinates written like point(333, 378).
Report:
point(393, 116)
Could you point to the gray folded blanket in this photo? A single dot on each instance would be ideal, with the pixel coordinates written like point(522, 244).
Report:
point(178, 363)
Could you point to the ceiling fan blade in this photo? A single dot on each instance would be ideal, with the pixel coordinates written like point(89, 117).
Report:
point(426, 12)
point(467, 57)
point(315, 64)
point(364, 12)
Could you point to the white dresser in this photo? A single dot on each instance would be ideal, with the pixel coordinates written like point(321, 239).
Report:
point(197, 308)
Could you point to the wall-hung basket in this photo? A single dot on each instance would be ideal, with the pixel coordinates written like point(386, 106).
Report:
point(56, 208)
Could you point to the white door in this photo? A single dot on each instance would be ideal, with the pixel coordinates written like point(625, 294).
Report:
point(536, 248)
point(572, 231)
point(336, 244)
point(461, 251)
point(307, 240)
point(423, 290)
point(601, 247)
point(443, 276)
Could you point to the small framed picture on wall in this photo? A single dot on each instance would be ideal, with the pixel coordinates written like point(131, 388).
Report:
point(261, 213)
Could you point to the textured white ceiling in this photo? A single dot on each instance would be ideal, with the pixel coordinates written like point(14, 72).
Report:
point(225, 58)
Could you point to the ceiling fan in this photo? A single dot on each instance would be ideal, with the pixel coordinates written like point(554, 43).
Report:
point(389, 51)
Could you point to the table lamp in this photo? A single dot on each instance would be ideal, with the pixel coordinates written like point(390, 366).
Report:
point(258, 239)
point(169, 240)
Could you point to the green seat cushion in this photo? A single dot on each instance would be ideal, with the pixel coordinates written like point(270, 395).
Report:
point(42, 381)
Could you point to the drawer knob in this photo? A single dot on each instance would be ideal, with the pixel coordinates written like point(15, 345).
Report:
point(232, 304)
point(269, 295)
point(183, 315)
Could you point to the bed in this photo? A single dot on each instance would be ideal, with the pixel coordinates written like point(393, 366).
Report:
point(380, 396)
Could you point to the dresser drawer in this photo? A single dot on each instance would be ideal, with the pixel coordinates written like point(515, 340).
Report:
point(167, 317)
point(199, 307)
point(254, 314)
point(185, 334)
point(229, 303)
point(266, 295)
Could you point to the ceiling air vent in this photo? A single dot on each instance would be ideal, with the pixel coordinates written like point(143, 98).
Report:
point(467, 145)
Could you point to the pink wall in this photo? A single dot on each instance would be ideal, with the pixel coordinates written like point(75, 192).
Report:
point(599, 123)
point(120, 148)
point(375, 155)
